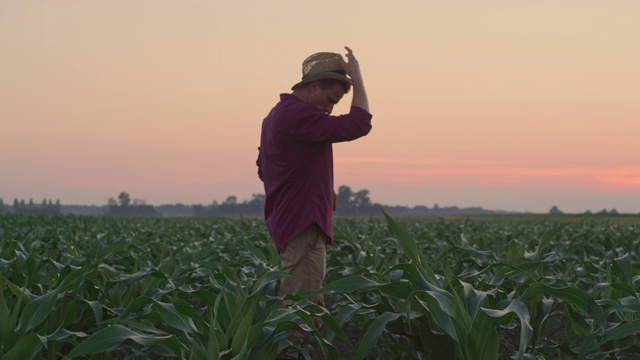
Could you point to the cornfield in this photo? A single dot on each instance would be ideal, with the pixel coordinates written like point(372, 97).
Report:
point(197, 288)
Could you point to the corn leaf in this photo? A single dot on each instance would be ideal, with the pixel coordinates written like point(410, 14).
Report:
point(572, 295)
point(239, 342)
point(111, 336)
point(27, 348)
point(373, 333)
point(410, 248)
point(174, 318)
point(36, 311)
point(622, 331)
point(517, 307)
point(349, 284)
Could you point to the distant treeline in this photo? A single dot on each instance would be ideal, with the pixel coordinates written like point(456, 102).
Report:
point(124, 206)
point(21, 207)
point(349, 204)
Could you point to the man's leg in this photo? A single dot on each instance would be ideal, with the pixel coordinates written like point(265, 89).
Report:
point(305, 256)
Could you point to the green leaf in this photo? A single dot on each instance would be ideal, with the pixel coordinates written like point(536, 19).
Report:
point(545, 240)
point(572, 295)
point(27, 348)
point(482, 337)
point(623, 266)
point(36, 311)
point(587, 343)
point(512, 272)
point(346, 285)
point(174, 318)
point(240, 336)
point(185, 308)
point(267, 278)
point(7, 326)
point(621, 331)
point(397, 289)
point(373, 333)
point(520, 309)
point(410, 248)
point(515, 252)
point(405, 240)
point(629, 304)
point(332, 325)
point(75, 276)
point(475, 299)
point(444, 301)
point(213, 348)
point(114, 335)
point(96, 307)
point(347, 312)
point(62, 334)
point(441, 316)
point(239, 314)
point(412, 273)
point(136, 304)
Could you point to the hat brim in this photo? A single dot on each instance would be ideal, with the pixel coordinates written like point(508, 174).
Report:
point(323, 76)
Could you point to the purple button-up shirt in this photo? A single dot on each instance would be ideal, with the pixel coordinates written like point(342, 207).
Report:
point(295, 163)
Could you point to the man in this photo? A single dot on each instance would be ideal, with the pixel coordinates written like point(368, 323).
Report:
point(295, 163)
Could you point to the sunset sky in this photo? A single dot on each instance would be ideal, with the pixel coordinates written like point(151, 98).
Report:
point(505, 104)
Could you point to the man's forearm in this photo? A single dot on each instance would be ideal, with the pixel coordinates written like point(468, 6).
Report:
point(359, 93)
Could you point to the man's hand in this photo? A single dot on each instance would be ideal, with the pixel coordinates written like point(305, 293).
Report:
point(351, 66)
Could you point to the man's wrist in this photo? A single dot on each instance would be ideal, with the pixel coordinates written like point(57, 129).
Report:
point(356, 77)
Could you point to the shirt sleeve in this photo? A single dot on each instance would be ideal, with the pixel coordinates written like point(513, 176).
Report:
point(310, 124)
point(259, 164)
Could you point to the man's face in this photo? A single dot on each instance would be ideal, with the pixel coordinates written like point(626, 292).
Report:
point(325, 99)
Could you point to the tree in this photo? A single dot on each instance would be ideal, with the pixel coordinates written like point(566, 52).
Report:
point(139, 202)
point(361, 199)
point(353, 203)
point(343, 198)
point(137, 207)
point(231, 200)
point(229, 206)
point(555, 211)
point(124, 199)
point(255, 206)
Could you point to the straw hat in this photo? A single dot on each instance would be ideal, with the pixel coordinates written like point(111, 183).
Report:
point(322, 65)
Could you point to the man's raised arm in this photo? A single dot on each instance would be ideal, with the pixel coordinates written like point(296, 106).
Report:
point(352, 69)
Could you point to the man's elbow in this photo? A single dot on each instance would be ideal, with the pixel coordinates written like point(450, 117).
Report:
point(365, 130)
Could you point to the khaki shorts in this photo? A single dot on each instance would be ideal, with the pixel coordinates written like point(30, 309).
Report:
point(306, 256)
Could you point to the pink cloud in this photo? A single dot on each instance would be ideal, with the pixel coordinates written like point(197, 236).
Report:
point(459, 172)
